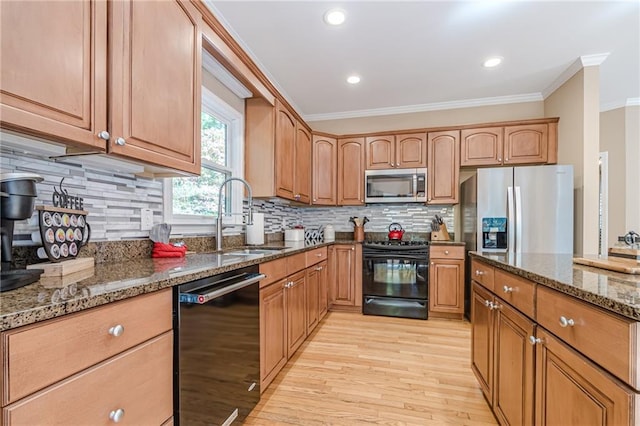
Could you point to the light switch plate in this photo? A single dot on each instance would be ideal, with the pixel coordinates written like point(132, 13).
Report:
point(146, 219)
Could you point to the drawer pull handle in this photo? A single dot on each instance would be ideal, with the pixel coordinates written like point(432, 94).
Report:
point(116, 415)
point(564, 322)
point(534, 341)
point(116, 330)
point(479, 272)
point(507, 289)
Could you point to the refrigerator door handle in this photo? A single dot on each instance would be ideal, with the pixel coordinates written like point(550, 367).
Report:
point(511, 220)
point(518, 220)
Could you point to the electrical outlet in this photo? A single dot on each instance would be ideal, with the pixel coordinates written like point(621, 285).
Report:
point(146, 219)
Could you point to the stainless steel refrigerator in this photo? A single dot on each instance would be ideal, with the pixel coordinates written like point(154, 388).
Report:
point(517, 210)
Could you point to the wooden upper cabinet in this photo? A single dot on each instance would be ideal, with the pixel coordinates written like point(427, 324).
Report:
point(54, 69)
point(481, 147)
point(302, 165)
point(396, 151)
point(380, 152)
point(351, 171)
point(444, 167)
point(533, 143)
point(325, 164)
point(526, 144)
point(411, 150)
point(155, 82)
point(285, 145)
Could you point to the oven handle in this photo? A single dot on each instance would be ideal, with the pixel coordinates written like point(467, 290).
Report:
point(204, 298)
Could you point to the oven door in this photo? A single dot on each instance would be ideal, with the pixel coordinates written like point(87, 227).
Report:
point(395, 275)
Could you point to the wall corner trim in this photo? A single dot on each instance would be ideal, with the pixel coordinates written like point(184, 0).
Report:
point(577, 65)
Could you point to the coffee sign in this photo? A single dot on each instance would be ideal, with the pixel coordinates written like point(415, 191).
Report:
point(63, 199)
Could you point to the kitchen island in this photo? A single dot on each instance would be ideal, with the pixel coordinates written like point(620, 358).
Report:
point(554, 342)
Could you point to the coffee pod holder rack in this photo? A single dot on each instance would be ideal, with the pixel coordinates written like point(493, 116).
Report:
point(63, 231)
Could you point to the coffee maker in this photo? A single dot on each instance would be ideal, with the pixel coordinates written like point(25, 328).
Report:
point(17, 195)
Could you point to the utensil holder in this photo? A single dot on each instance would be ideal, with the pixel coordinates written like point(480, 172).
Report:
point(441, 234)
point(358, 233)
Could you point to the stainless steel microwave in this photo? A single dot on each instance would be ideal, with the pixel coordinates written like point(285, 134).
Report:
point(395, 186)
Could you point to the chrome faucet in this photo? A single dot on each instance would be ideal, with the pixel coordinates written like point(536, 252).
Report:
point(219, 225)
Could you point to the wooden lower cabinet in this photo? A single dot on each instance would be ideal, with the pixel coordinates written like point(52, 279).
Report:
point(513, 359)
point(312, 288)
point(273, 331)
point(446, 282)
point(571, 390)
point(323, 290)
point(482, 320)
point(345, 271)
point(296, 316)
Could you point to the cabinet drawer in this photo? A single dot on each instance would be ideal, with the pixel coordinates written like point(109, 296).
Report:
point(482, 273)
point(446, 252)
point(516, 291)
point(39, 355)
point(316, 255)
point(608, 340)
point(296, 263)
point(274, 270)
point(139, 381)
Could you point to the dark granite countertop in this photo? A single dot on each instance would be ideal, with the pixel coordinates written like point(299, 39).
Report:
point(110, 282)
point(613, 291)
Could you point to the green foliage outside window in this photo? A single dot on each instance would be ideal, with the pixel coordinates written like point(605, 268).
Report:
point(199, 195)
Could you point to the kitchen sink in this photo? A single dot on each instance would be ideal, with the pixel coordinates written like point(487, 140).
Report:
point(255, 251)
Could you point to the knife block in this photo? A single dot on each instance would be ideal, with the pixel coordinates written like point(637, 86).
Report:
point(441, 234)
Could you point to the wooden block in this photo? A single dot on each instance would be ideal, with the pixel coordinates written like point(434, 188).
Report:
point(626, 266)
point(627, 253)
point(65, 267)
point(440, 235)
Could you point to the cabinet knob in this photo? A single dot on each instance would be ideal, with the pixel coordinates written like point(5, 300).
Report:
point(397, 164)
point(488, 304)
point(116, 330)
point(446, 252)
point(507, 289)
point(433, 264)
point(319, 254)
point(116, 415)
point(121, 142)
point(499, 159)
point(104, 135)
point(506, 159)
point(391, 164)
point(479, 272)
point(315, 199)
point(297, 196)
point(566, 322)
point(495, 306)
point(533, 340)
point(319, 268)
point(353, 248)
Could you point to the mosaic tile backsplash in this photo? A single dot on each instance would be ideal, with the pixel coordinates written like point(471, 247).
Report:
point(114, 200)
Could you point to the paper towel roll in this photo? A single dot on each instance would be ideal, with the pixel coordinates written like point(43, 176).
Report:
point(255, 232)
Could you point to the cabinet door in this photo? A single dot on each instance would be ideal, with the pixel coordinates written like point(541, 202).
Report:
point(302, 166)
point(273, 332)
point(446, 286)
point(285, 152)
point(444, 167)
point(296, 316)
point(571, 390)
point(155, 82)
point(323, 290)
point(312, 288)
point(54, 69)
point(380, 152)
point(514, 367)
point(482, 319)
point(325, 164)
point(411, 150)
point(481, 147)
point(351, 172)
point(526, 144)
point(343, 276)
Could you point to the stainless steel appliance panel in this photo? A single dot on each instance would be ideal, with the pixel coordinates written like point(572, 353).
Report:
point(544, 209)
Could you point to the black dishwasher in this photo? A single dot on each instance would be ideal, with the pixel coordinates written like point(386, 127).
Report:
point(217, 348)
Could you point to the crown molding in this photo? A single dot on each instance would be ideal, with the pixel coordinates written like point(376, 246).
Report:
point(577, 65)
point(437, 106)
point(629, 102)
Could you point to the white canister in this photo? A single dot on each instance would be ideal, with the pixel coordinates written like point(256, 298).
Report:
point(329, 233)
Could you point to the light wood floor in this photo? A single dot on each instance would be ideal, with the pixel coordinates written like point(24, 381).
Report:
point(359, 369)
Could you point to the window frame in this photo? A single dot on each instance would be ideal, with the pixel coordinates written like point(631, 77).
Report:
point(185, 224)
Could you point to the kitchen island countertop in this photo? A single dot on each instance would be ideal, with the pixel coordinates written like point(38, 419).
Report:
point(613, 291)
point(110, 282)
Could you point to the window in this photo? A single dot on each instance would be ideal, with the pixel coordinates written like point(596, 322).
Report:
point(192, 202)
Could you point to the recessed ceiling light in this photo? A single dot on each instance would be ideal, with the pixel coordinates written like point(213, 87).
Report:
point(334, 16)
point(492, 62)
point(353, 79)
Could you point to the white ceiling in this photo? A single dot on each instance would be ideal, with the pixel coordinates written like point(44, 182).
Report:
point(424, 55)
